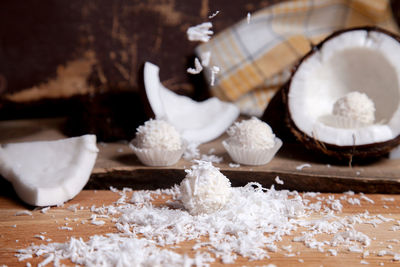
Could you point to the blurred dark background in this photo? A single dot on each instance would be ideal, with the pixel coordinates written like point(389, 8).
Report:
point(82, 58)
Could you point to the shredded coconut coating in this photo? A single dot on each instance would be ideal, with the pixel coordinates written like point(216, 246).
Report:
point(357, 106)
point(251, 134)
point(205, 189)
point(158, 134)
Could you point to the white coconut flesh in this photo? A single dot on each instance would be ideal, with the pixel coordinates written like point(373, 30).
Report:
point(198, 122)
point(358, 60)
point(48, 173)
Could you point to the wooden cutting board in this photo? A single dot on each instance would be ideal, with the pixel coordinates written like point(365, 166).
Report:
point(118, 166)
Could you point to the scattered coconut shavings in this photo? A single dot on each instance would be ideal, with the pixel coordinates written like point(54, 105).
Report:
point(205, 58)
point(23, 213)
point(191, 152)
point(250, 224)
point(200, 32)
point(44, 210)
point(302, 166)
point(278, 181)
point(389, 199)
point(112, 250)
point(211, 158)
point(234, 165)
point(41, 237)
point(367, 199)
point(214, 71)
point(73, 208)
point(333, 252)
point(65, 228)
point(364, 262)
point(197, 67)
point(14, 226)
point(96, 222)
point(214, 14)
point(248, 18)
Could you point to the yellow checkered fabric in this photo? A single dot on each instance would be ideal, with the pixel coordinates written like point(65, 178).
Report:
point(255, 58)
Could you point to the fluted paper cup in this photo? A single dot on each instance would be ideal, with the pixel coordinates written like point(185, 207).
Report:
point(156, 156)
point(251, 156)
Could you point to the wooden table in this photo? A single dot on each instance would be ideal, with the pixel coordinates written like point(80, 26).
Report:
point(117, 166)
point(26, 227)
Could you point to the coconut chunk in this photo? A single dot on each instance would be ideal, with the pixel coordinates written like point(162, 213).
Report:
point(364, 59)
point(49, 173)
point(197, 122)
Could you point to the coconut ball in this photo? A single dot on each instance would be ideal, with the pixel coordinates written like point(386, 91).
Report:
point(204, 189)
point(357, 106)
point(251, 134)
point(158, 134)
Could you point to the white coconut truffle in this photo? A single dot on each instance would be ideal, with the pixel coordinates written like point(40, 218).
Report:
point(204, 189)
point(251, 134)
point(357, 106)
point(158, 134)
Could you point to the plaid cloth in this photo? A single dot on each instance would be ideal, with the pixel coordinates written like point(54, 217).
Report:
point(255, 58)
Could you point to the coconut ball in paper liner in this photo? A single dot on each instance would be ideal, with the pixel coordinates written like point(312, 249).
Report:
point(352, 111)
point(251, 142)
point(157, 143)
point(204, 189)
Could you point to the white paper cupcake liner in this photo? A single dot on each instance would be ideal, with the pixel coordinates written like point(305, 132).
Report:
point(252, 156)
point(341, 122)
point(156, 156)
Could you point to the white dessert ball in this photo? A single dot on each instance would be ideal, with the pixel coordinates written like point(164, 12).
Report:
point(357, 106)
point(158, 134)
point(204, 189)
point(251, 134)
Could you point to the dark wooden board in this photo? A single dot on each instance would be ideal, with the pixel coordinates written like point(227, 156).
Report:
point(118, 166)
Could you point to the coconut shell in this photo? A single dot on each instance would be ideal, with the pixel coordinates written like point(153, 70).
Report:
point(341, 153)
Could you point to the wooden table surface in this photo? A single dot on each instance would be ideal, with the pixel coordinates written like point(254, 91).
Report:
point(117, 166)
point(18, 232)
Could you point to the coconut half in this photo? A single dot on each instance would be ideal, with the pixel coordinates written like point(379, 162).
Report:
point(197, 122)
point(48, 173)
point(365, 60)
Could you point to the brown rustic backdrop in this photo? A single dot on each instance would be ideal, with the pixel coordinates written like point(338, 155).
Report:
point(81, 58)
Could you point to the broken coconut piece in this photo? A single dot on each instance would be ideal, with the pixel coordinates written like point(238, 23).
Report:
point(197, 122)
point(157, 143)
point(49, 173)
point(363, 59)
point(204, 189)
point(251, 142)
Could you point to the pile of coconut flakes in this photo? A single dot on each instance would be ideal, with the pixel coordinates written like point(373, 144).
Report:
point(250, 225)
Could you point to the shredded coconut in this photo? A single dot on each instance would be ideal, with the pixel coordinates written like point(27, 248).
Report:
point(23, 212)
point(158, 134)
point(278, 181)
point(357, 106)
point(201, 32)
point(302, 166)
point(214, 14)
point(248, 18)
point(251, 134)
point(197, 67)
point(234, 165)
point(205, 58)
point(44, 210)
point(214, 71)
point(249, 224)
